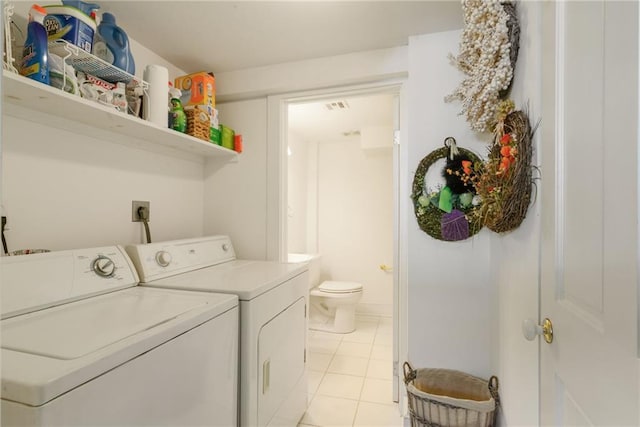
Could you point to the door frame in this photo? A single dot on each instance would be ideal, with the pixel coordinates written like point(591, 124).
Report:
point(277, 125)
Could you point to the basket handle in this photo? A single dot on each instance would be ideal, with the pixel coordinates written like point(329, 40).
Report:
point(409, 373)
point(493, 388)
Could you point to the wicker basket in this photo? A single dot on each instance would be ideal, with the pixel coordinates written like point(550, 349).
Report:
point(198, 123)
point(448, 398)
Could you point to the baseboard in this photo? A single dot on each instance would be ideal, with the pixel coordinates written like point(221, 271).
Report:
point(368, 309)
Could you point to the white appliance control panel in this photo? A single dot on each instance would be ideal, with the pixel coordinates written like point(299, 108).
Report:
point(165, 259)
point(36, 281)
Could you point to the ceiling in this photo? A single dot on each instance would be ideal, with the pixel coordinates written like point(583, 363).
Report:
point(324, 121)
point(221, 36)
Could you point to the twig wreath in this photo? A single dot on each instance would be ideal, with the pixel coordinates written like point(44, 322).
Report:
point(446, 213)
point(488, 53)
point(506, 181)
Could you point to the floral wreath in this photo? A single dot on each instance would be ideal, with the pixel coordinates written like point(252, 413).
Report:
point(447, 213)
point(505, 184)
point(488, 53)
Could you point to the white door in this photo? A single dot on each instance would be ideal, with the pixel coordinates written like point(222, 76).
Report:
point(589, 255)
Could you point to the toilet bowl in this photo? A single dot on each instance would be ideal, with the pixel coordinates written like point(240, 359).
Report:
point(337, 300)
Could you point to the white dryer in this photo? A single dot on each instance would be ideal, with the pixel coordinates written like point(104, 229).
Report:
point(82, 345)
point(273, 306)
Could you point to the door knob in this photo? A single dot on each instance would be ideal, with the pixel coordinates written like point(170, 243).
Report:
point(530, 330)
point(386, 268)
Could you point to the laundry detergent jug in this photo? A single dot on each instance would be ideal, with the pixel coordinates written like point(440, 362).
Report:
point(112, 44)
point(35, 55)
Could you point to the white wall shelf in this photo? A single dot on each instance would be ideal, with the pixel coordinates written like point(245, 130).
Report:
point(22, 96)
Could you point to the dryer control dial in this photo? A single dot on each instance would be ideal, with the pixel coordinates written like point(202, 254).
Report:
point(103, 266)
point(163, 258)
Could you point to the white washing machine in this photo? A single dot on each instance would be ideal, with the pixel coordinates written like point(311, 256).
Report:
point(273, 382)
point(82, 345)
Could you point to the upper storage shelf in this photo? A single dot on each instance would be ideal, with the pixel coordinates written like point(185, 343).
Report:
point(21, 96)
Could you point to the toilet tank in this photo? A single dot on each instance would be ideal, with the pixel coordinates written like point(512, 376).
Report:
point(314, 266)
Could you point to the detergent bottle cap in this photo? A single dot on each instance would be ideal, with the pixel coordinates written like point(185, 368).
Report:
point(38, 9)
point(108, 18)
point(175, 93)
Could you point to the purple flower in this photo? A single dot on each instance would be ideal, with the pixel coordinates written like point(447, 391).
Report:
point(454, 226)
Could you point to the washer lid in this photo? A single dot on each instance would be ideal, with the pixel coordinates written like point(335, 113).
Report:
point(49, 352)
point(335, 287)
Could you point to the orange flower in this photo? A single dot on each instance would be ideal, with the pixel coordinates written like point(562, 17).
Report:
point(505, 151)
point(506, 138)
point(504, 164)
point(466, 166)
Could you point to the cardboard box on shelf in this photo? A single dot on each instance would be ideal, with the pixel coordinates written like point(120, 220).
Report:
point(226, 137)
point(197, 89)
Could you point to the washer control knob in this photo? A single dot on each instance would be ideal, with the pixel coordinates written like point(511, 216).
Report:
point(163, 258)
point(225, 247)
point(103, 266)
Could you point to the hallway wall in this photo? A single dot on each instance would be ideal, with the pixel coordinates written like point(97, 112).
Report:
point(355, 219)
point(451, 301)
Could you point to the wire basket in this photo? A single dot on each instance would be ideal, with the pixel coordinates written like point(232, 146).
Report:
point(448, 398)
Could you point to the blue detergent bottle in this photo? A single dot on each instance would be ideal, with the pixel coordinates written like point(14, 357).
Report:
point(35, 55)
point(112, 44)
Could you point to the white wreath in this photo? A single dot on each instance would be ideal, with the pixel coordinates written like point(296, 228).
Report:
point(485, 59)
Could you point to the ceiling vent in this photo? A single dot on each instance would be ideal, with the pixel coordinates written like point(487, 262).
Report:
point(337, 105)
point(351, 133)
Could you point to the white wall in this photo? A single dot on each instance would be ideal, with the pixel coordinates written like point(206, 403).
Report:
point(451, 299)
point(355, 219)
point(514, 255)
point(325, 72)
point(63, 190)
point(235, 194)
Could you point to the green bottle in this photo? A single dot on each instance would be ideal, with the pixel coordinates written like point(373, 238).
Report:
point(177, 117)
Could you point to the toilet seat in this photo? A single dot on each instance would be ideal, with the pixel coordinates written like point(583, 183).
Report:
point(334, 287)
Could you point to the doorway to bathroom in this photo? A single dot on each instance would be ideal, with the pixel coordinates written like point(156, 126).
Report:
point(339, 179)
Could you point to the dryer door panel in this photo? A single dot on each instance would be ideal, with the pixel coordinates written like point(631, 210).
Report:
point(281, 362)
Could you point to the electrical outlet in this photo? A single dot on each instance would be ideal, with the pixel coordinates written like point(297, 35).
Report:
point(135, 205)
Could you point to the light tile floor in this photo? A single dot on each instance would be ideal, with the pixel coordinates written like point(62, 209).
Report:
point(350, 377)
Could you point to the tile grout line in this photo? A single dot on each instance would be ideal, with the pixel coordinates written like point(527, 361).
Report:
point(365, 373)
point(334, 353)
point(355, 415)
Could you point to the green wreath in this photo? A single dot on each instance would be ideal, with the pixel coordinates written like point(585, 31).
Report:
point(429, 215)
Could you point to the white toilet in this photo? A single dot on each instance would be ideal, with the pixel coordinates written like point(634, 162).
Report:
point(334, 299)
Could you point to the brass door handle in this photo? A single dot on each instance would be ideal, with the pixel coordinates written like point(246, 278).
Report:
point(386, 268)
point(531, 330)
